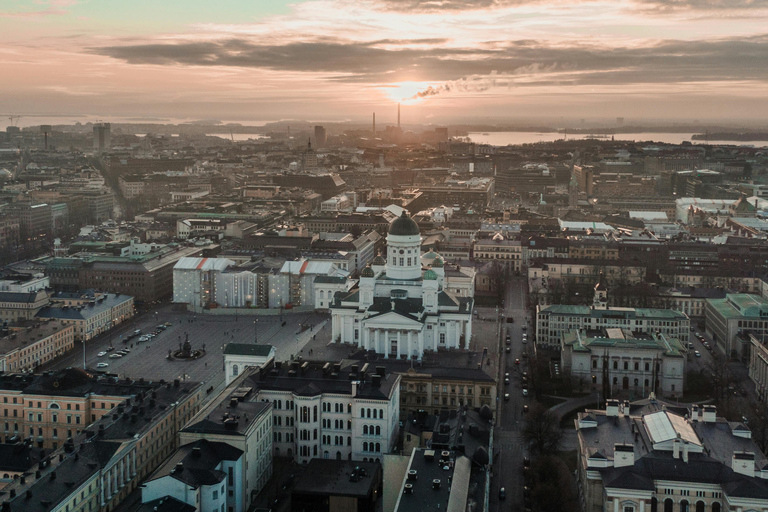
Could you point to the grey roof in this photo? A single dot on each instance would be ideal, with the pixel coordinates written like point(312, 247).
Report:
point(330, 279)
point(96, 307)
point(328, 477)
point(195, 463)
point(166, 504)
point(247, 349)
point(23, 297)
point(18, 456)
point(219, 417)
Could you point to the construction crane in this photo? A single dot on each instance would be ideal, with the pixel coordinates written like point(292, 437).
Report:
point(11, 119)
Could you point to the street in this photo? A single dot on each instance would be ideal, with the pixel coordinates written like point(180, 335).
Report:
point(509, 447)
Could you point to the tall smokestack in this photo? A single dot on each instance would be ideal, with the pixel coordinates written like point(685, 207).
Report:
point(398, 115)
point(374, 124)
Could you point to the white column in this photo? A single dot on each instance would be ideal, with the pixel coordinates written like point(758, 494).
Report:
point(421, 344)
point(399, 343)
point(364, 337)
point(410, 344)
point(615, 505)
point(467, 334)
point(642, 506)
point(386, 342)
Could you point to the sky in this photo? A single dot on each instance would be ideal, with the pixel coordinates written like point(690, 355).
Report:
point(254, 61)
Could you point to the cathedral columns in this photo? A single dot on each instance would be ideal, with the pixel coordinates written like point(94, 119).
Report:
point(399, 343)
point(421, 344)
point(386, 342)
point(410, 344)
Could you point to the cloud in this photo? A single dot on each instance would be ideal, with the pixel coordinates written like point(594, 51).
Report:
point(472, 69)
point(432, 6)
point(53, 8)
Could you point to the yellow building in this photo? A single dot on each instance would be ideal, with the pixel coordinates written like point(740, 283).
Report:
point(26, 348)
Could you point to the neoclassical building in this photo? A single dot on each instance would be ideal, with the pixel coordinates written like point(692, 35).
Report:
point(399, 309)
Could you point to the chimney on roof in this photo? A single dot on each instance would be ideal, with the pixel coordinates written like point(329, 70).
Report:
point(623, 455)
point(709, 414)
point(743, 463)
point(611, 408)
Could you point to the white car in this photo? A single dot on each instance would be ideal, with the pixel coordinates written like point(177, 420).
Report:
point(697, 353)
point(101, 354)
point(102, 365)
point(525, 392)
point(115, 356)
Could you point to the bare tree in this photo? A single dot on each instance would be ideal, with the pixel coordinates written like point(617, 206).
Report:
point(542, 430)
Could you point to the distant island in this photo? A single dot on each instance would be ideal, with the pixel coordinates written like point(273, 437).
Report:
point(734, 136)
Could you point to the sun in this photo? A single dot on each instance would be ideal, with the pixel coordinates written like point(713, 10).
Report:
point(403, 92)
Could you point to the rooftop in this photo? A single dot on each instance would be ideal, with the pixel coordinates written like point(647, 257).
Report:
point(441, 482)
point(328, 477)
point(248, 349)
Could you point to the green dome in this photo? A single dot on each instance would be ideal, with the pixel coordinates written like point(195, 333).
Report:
point(430, 275)
point(430, 255)
point(438, 262)
point(367, 272)
point(404, 226)
point(379, 260)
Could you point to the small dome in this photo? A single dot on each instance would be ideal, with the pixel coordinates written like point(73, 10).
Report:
point(367, 272)
point(438, 262)
point(429, 255)
point(430, 275)
point(379, 260)
point(404, 226)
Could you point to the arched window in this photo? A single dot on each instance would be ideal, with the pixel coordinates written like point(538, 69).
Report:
point(700, 507)
point(716, 507)
point(314, 436)
point(378, 447)
point(54, 405)
point(669, 505)
point(314, 451)
point(235, 370)
point(684, 506)
point(365, 446)
point(381, 414)
point(594, 363)
point(654, 504)
point(326, 454)
point(338, 455)
point(349, 441)
point(378, 430)
point(349, 424)
point(314, 410)
point(615, 365)
point(365, 430)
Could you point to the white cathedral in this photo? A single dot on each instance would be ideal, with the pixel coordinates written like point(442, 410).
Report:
point(400, 309)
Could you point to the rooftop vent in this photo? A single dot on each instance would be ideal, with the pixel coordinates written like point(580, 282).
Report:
point(413, 474)
point(408, 489)
point(436, 484)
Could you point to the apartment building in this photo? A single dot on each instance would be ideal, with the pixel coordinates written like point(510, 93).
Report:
point(97, 468)
point(499, 248)
point(22, 305)
point(26, 348)
point(329, 410)
point(726, 319)
point(92, 315)
point(653, 456)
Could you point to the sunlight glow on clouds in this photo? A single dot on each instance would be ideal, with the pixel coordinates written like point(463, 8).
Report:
point(342, 56)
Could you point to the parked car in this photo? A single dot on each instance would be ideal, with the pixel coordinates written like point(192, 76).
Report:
point(697, 353)
point(508, 340)
point(506, 381)
point(525, 392)
point(102, 365)
point(115, 356)
point(168, 324)
point(502, 493)
point(509, 350)
point(517, 361)
point(506, 396)
point(525, 408)
point(110, 349)
point(101, 354)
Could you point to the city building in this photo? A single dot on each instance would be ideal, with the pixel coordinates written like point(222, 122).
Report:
point(98, 467)
point(333, 485)
point(22, 305)
point(239, 356)
point(146, 277)
point(508, 252)
point(92, 315)
point(204, 474)
point(236, 419)
point(102, 137)
point(653, 456)
point(727, 318)
point(624, 362)
point(336, 411)
point(399, 311)
point(553, 322)
point(26, 348)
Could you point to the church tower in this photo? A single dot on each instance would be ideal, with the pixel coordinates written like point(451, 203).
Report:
point(601, 294)
point(403, 249)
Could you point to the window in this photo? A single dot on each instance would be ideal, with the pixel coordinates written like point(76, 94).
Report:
point(235, 370)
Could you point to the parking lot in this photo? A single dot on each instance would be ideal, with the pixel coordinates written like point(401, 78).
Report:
point(210, 333)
